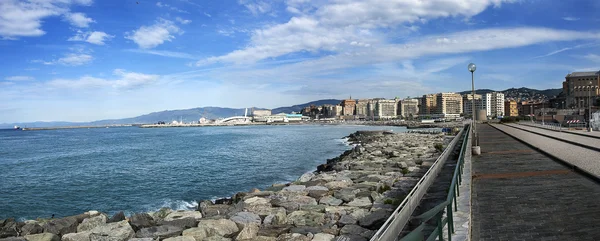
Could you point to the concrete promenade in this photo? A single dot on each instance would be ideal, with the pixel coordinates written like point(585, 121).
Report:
point(521, 194)
point(590, 142)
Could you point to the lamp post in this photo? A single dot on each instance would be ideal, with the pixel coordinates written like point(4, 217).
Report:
point(590, 107)
point(475, 149)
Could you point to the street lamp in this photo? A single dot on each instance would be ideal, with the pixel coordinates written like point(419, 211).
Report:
point(590, 106)
point(475, 149)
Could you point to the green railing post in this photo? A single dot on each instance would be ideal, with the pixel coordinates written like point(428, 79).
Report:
point(450, 220)
point(440, 227)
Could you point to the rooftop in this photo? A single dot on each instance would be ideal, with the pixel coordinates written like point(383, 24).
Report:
point(583, 74)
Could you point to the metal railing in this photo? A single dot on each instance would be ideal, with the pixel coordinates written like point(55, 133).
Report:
point(438, 211)
point(551, 126)
point(393, 226)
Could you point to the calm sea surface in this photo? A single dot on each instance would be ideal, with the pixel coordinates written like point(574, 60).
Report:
point(67, 172)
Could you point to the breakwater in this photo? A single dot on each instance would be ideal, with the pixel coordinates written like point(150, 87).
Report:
point(350, 195)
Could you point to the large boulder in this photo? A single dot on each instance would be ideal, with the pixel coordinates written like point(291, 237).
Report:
point(249, 231)
point(91, 223)
point(8, 228)
point(42, 237)
point(353, 230)
point(274, 231)
point(258, 205)
point(161, 214)
point(62, 226)
point(179, 214)
point(13, 239)
point(31, 228)
point(323, 237)
point(375, 219)
point(278, 217)
point(81, 236)
point(306, 177)
point(141, 220)
point(214, 210)
point(243, 218)
point(346, 194)
point(306, 218)
point(159, 232)
point(293, 237)
point(305, 230)
point(294, 188)
point(181, 238)
point(331, 201)
point(317, 191)
point(338, 184)
point(221, 227)
point(346, 219)
point(119, 231)
point(118, 217)
point(183, 223)
point(363, 202)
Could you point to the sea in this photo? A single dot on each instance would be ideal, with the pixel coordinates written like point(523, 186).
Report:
point(70, 171)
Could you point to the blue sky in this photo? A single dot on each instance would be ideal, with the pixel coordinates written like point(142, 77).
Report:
point(83, 60)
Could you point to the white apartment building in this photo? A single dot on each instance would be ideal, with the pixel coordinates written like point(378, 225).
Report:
point(494, 104)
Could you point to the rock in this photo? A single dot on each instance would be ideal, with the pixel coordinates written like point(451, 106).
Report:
point(61, 226)
point(294, 188)
point(141, 239)
point(363, 202)
point(8, 228)
point(331, 201)
point(359, 213)
point(13, 239)
point(159, 232)
point(306, 177)
point(31, 228)
point(317, 191)
point(314, 208)
point(264, 238)
point(353, 230)
point(292, 237)
point(80, 236)
point(181, 238)
point(179, 214)
point(161, 214)
point(215, 238)
point(91, 223)
point(42, 237)
point(119, 231)
point(346, 194)
point(278, 218)
point(221, 227)
point(92, 213)
point(250, 231)
point(306, 218)
point(225, 201)
point(141, 220)
point(402, 165)
point(352, 237)
point(258, 205)
point(323, 237)
point(337, 185)
point(243, 218)
point(412, 169)
point(254, 190)
point(183, 223)
point(375, 219)
point(347, 219)
point(305, 230)
point(118, 217)
point(215, 210)
point(274, 231)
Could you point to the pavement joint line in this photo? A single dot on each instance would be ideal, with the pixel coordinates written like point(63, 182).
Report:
point(577, 169)
point(521, 174)
point(509, 151)
point(558, 139)
point(567, 131)
point(496, 142)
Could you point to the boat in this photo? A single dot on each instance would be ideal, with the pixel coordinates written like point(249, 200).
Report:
point(17, 128)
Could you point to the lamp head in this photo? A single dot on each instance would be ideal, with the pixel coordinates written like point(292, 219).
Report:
point(472, 67)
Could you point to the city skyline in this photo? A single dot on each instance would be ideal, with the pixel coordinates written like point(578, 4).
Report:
point(85, 60)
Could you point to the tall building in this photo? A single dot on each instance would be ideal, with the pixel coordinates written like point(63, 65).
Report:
point(468, 104)
point(339, 110)
point(361, 108)
point(511, 108)
point(449, 105)
point(578, 86)
point(349, 106)
point(385, 109)
point(494, 103)
point(428, 105)
point(409, 108)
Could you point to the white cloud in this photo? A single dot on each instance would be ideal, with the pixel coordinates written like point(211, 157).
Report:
point(19, 78)
point(593, 58)
point(23, 18)
point(75, 59)
point(570, 18)
point(256, 7)
point(164, 5)
point(208, 15)
point(78, 20)
point(94, 37)
point(151, 36)
point(183, 21)
point(124, 80)
point(163, 53)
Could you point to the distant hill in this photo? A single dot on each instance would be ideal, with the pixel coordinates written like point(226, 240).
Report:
point(187, 115)
point(298, 108)
point(522, 94)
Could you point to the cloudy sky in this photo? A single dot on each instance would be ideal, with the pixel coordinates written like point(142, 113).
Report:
point(83, 60)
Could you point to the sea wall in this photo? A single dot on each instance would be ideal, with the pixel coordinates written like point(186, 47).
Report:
point(351, 196)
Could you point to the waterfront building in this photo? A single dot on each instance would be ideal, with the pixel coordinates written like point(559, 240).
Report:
point(468, 104)
point(339, 110)
point(494, 103)
point(448, 105)
point(408, 108)
point(385, 109)
point(428, 105)
point(578, 86)
point(510, 108)
point(261, 112)
point(348, 106)
point(361, 108)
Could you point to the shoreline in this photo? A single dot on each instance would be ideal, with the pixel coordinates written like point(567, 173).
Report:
point(348, 195)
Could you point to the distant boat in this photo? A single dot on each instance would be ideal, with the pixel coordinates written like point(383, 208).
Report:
point(17, 128)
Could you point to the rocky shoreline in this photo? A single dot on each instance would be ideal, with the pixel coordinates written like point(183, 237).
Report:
point(348, 196)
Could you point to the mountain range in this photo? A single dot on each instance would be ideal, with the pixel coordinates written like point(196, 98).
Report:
point(194, 114)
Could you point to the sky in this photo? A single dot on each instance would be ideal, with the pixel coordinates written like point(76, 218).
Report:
point(85, 60)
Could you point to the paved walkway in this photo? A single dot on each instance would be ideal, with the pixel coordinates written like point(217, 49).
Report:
point(521, 194)
point(583, 140)
point(594, 134)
